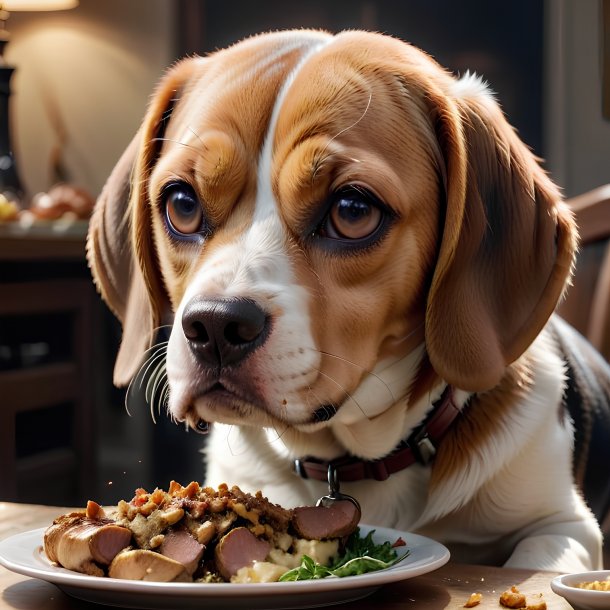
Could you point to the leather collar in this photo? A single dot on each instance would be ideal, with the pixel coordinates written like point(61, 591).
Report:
point(420, 447)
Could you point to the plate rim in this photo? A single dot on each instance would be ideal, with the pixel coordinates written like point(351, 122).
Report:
point(40, 567)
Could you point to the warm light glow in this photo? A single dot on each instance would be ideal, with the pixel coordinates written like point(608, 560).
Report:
point(37, 5)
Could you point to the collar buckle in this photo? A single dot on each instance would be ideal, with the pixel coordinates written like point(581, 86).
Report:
point(422, 447)
point(299, 468)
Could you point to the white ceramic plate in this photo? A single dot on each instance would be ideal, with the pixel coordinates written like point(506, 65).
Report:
point(23, 554)
point(583, 599)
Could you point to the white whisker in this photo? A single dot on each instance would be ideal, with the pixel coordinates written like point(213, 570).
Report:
point(320, 156)
point(175, 142)
point(232, 451)
point(151, 362)
point(157, 376)
point(152, 378)
point(365, 371)
point(197, 136)
point(278, 435)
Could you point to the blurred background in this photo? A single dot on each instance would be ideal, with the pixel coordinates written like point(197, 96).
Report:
point(81, 83)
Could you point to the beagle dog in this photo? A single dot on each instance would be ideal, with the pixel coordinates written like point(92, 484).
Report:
point(359, 261)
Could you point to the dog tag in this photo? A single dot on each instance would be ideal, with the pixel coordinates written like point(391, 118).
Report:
point(334, 493)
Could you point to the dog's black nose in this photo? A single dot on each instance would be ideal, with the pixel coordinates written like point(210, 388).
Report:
point(221, 331)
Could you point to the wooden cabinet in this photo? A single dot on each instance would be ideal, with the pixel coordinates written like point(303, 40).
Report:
point(48, 308)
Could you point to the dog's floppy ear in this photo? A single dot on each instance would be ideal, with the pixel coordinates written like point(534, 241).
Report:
point(120, 248)
point(115, 272)
point(507, 248)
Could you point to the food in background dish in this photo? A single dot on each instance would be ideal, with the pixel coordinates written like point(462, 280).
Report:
point(9, 210)
point(62, 199)
point(595, 585)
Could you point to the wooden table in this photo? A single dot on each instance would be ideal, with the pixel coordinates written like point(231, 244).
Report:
point(448, 587)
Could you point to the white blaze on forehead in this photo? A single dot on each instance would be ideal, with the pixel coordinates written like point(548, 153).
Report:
point(265, 201)
point(256, 263)
point(262, 65)
point(260, 254)
point(264, 243)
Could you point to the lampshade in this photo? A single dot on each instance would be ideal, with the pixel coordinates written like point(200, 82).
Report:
point(37, 5)
point(10, 183)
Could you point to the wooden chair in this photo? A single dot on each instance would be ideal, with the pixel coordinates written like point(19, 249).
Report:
point(587, 308)
point(587, 304)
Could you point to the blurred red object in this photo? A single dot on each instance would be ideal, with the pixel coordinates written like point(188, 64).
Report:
point(62, 199)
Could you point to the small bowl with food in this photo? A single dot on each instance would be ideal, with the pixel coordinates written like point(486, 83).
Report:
point(584, 590)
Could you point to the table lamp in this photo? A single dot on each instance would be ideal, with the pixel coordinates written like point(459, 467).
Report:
point(10, 184)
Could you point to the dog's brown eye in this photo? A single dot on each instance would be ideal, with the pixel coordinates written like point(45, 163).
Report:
point(183, 211)
point(352, 215)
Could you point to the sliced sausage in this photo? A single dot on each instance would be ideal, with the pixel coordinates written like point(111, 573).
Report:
point(239, 548)
point(324, 522)
point(79, 543)
point(180, 546)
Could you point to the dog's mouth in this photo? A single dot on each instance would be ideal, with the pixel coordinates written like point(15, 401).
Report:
point(228, 403)
point(219, 392)
point(250, 395)
point(226, 397)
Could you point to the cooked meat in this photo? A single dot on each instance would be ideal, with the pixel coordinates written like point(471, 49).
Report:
point(324, 522)
point(179, 545)
point(82, 544)
point(140, 564)
point(195, 532)
point(239, 548)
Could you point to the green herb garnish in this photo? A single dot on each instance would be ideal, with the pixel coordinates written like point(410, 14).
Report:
point(308, 570)
point(360, 555)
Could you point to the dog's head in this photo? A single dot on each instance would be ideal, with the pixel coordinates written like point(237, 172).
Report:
point(326, 220)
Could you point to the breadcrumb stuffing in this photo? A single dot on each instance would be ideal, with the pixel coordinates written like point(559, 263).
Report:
point(513, 598)
point(595, 585)
point(473, 600)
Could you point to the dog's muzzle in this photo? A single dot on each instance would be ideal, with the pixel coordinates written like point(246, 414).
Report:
point(223, 331)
